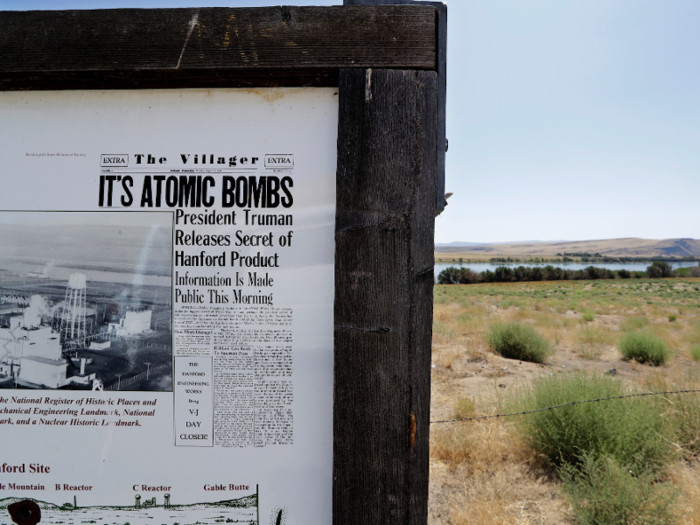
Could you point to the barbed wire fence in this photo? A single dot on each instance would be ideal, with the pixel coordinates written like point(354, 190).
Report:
point(640, 394)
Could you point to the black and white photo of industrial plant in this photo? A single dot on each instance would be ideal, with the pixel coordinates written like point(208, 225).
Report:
point(85, 300)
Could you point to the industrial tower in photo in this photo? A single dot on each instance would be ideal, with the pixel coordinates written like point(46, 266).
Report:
point(73, 328)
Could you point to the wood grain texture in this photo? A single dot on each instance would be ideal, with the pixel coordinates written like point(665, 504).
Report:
point(209, 46)
point(386, 175)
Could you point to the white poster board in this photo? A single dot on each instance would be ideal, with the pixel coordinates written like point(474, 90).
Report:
point(166, 305)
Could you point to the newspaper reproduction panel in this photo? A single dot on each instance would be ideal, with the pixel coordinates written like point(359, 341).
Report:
point(166, 306)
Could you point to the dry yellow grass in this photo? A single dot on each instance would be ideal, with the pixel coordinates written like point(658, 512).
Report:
point(485, 500)
point(453, 445)
point(688, 480)
point(593, 340)
point(480, 460)
point(484, 445)
point(447, 357)
point(507, 497)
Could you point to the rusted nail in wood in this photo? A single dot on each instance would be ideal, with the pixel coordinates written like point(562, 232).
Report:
point(412, 432)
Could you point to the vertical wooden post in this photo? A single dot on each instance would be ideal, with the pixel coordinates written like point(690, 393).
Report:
point(387, 145)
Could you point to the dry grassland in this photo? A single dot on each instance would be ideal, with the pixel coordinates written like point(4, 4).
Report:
point(481, 471)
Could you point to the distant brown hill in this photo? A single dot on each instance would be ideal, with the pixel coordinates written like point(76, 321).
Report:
point(628, 247)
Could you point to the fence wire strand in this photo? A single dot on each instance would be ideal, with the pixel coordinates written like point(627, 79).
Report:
point(642, 394)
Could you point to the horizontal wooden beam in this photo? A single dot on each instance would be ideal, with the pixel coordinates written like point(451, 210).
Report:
point(210, 47)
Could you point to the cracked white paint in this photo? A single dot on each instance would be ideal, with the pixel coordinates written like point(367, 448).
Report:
point(191, 25)
point(368, 85)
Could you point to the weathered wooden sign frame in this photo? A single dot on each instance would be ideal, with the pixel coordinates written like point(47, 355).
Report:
point(385, 61)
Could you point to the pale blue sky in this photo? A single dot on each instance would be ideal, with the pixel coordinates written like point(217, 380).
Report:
point(567, 119)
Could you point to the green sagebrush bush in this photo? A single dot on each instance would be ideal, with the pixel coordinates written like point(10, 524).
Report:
point(645, 348)
point(603, 492)
point(518, 341)
point(588, 316)
point(630, 430)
